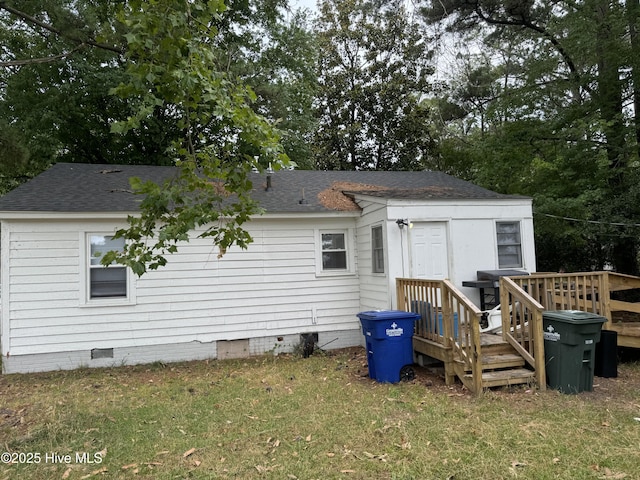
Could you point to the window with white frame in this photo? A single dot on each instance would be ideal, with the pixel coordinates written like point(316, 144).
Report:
point(377, 249)
point(509, 245)
point(109, 281)
point(334, 251)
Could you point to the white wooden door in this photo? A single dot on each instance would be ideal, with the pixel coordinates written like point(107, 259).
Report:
point(429, 253)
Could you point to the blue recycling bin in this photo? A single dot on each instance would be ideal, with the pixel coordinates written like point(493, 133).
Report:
point(455, 325)
point(389, 342)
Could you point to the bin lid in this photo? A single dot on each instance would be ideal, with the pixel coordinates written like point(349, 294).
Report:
point(573, 316)
point(388, 315)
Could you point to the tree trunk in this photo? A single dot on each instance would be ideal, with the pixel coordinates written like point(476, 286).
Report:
point(633, 17)
point(609, 100)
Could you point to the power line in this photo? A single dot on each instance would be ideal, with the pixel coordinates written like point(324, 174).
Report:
point(596, 222)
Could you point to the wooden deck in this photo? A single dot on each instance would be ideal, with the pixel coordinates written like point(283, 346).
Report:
point(595, 292)
point(449, 329)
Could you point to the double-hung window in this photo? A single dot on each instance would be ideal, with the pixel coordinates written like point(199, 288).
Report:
point(377, 249)
point(509, 245)
point(109, 281)
point(334, 251)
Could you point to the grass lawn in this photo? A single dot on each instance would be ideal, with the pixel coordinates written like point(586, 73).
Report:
point(285, 417)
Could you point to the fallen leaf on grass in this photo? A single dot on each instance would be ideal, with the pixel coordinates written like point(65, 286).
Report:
point(308, 439)
point(610, 475)
point(66, 473)
point(127, 467)
point(382, 458)
point(556, 460)
point(404, 445)
point(263, 469)
point(197, 463)
point(188, 452)
point(95, 472)
point(347, 471)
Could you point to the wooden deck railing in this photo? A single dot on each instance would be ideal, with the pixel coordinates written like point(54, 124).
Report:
point(450, 323)
point(423, 297)
point(448, 318)
point(522, 326)
point(566, 291)
point(589, 292)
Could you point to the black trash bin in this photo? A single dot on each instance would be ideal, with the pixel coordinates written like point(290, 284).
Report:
point(607, 355)
point(570, 338)
point(389, 342)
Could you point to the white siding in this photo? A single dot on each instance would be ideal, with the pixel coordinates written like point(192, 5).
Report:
point(271, 289)
point(374, 287)
point(472, 238)
point(269, 293)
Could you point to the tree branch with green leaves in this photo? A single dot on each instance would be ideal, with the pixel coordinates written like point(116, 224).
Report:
point(173, 67)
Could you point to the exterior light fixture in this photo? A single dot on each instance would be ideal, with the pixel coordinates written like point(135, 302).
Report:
point(403, 223)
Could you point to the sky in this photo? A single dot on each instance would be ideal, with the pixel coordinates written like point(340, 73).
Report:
point(310, 4)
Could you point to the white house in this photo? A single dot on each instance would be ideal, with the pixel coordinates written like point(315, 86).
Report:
point(330, 245)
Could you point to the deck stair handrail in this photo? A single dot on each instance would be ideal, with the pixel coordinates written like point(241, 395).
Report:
point(522, 326)
point(463, 334)
point(448, 318)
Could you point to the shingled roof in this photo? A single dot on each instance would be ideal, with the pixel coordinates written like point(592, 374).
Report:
point(70, 187)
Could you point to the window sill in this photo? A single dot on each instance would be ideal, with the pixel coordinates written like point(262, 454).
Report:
point(335, 273)
point(108, 302)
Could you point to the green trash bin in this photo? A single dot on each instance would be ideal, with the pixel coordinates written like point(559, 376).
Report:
point(570, 338)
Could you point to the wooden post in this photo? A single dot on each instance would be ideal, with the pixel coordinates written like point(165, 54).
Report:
point(400, 294)
point(605, 300)
point(536, 332)
point(476, 357)
point(505, 314)
point(447, 314)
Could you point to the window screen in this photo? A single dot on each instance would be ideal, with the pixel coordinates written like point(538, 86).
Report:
point(509, 244)
point(110, 281)
point(334, 251)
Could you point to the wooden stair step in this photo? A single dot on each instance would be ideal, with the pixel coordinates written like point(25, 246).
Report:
point(494, 344)
point(502, 360)
point(499, 378)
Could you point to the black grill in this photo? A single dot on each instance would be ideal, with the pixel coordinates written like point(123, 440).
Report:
point(488, 281)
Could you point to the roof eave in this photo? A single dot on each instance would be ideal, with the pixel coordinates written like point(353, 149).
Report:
point(31, 215)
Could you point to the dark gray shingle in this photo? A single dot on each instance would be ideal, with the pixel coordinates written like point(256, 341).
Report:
point(67, 187)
